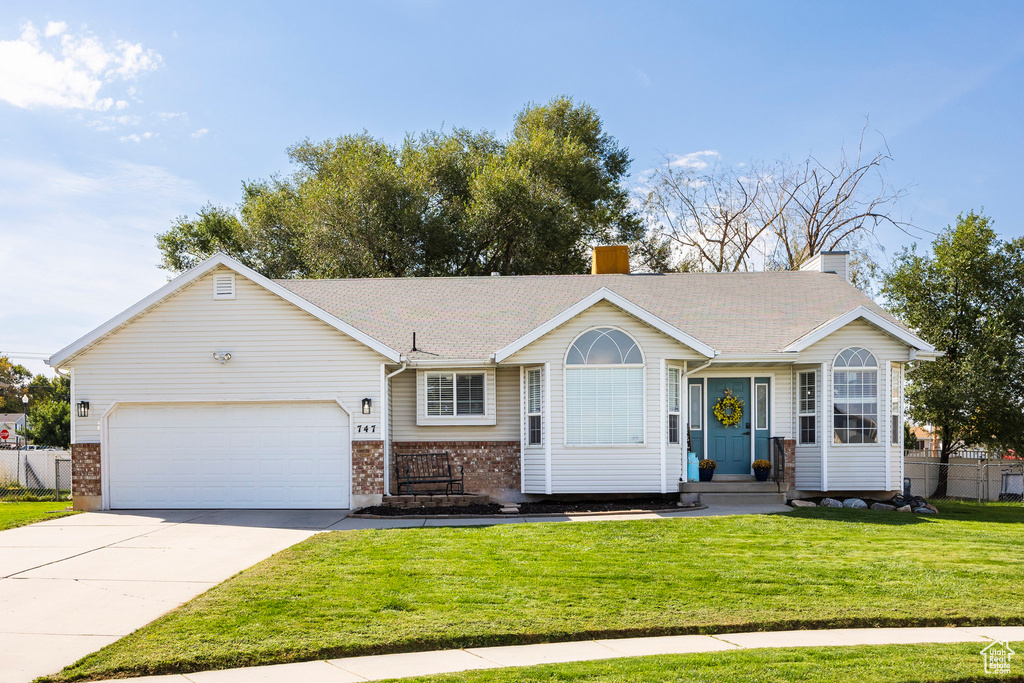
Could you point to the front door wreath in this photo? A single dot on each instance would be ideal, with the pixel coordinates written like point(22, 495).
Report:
point(729, 410)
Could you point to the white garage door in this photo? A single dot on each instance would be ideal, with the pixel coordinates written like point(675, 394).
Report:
point(229, 455)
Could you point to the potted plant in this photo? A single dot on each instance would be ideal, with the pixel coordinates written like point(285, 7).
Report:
point(707, 469)
point(761, 469)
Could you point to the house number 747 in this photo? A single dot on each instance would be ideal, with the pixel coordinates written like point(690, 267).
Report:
point(366, 429)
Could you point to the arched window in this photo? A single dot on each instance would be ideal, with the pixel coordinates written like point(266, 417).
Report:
point(604, 389)
point(855, 396)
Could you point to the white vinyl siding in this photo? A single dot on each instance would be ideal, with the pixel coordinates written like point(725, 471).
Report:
point(277, 352)
point(581, 469)
point(604, 406)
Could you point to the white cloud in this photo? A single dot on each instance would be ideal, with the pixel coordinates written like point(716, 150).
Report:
point(55, 28)
point(643, 78)
point(698, 160)
point(201, 132)
point(168, 115)
point(138, 137)
point(68, 73)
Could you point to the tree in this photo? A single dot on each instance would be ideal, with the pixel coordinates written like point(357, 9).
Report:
point(967, 299)
point(13, 382)
point(441, 203)
point(50, 424)
point(772, 215)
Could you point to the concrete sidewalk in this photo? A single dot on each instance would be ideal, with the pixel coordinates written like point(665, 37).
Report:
point(352, 669)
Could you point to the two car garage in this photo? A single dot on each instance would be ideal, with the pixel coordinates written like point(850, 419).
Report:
point(292, 454)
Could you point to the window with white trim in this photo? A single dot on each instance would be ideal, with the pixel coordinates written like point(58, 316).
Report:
point(807, 410)
point(695, 406)
point(855, 397)
point(674, 400)
point(455, 394)
point(897, 413)
point(604, 389)
point(534, 406)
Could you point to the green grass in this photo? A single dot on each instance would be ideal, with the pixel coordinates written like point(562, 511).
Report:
point(20, 514)
point(368, 592)
point(868, 664)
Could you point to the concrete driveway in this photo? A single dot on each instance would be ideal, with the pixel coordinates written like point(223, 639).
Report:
point(70, 586)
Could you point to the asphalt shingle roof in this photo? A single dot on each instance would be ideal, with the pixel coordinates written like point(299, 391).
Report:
point(472, 317)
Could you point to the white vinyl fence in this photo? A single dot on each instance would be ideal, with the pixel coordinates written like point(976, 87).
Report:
point(28, 474)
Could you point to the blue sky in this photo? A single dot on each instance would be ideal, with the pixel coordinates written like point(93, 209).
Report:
point(115, 117)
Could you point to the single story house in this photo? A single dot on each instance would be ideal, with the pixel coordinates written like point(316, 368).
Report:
point(227, 389)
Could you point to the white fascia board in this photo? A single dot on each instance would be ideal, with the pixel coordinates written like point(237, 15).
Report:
point(605, 294)
point(768, 357)
point(453, 363)
point(192, 275)
point(869, 316)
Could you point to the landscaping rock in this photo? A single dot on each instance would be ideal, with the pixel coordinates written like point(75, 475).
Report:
point(924, 511)
point(882, 506)
point(831, 503)
point(855, 503)
point(803, 503)
point(905, 508)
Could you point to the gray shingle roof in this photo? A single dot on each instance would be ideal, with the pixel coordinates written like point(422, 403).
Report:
point(472, 317)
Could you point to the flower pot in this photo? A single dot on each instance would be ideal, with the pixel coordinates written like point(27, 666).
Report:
point(761, 475)
point(706, 475)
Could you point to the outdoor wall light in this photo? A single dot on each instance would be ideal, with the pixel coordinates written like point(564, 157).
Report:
point(367, 403)
point(83, 409)
point(222, 356)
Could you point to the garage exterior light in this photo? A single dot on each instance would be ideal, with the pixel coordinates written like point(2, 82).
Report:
point(83, 409)
point(367, 403)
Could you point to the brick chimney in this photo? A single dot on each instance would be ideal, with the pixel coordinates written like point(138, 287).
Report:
point(610, 260)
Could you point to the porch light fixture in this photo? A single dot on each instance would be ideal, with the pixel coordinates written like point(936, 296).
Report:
point(83, 409)
point(367, 403)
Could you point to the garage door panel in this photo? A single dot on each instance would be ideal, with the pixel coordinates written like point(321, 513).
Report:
point(229, 455)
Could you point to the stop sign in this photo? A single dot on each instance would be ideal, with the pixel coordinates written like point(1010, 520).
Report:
point(4, 434)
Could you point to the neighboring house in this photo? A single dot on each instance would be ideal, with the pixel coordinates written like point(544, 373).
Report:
point(927, 436)
point(575, 384)
point(14, 425)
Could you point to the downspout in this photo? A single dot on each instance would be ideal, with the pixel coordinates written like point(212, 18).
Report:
point(387, 424)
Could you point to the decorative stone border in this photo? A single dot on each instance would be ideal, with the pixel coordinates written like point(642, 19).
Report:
point(509, 515)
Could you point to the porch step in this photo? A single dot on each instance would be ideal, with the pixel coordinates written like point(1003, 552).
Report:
point(736, 486)
point(733, 492)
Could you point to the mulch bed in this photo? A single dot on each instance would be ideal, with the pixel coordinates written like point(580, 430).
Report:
point(544, 507)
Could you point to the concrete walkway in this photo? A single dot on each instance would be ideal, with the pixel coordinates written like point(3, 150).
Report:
point(69, 586)
point(352, 669)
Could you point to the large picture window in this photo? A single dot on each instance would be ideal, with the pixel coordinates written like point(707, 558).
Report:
point(855, 397)
point(604, 389)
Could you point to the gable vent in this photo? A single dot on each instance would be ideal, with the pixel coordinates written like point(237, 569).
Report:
point(224, 286)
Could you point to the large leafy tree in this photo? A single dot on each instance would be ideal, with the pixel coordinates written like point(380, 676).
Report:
point(14, 379)
point(441, 203)
point(967, 299)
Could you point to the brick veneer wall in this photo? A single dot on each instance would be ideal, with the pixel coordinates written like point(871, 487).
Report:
point(85, 469)
point(367, 467)
point(789, 446)
point(489, 466)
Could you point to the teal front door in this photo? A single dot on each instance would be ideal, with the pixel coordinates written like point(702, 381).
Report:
point(729, 446)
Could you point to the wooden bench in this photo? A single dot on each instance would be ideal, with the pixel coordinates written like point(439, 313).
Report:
point(413, 469)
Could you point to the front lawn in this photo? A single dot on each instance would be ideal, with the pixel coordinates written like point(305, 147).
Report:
point(20, 514)
point(351, 593)
point(866, 664)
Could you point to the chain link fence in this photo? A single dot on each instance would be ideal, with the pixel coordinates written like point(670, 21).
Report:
point(30, 475)
point(969, 475)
